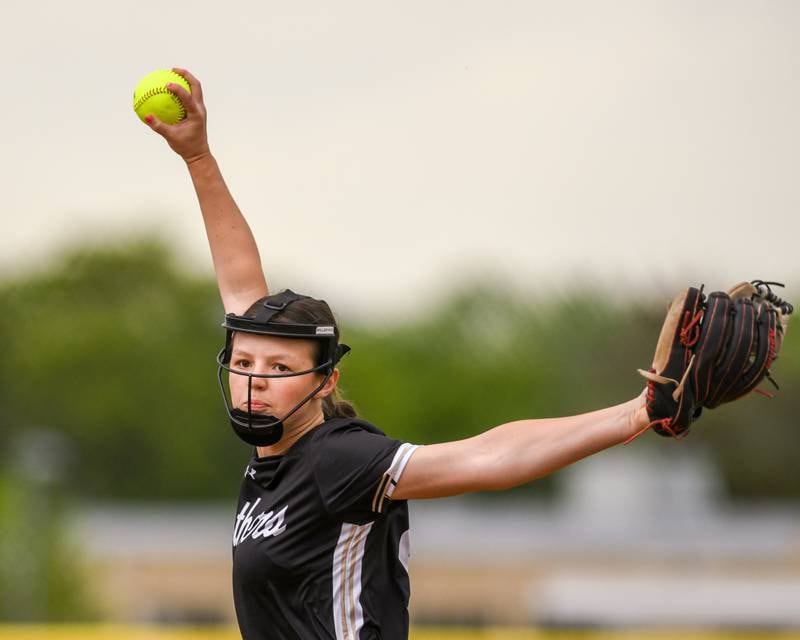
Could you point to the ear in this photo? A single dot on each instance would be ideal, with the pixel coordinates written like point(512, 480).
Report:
point(330, 385)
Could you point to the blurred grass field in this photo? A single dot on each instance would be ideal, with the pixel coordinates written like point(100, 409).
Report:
point(106, 632)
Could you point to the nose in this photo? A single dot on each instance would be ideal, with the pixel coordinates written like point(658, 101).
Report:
point(258, 383)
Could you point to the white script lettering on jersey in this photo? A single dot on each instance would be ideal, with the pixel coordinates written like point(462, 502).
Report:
point(266, 524)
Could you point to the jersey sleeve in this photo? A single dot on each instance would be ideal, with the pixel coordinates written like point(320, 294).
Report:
point(357, 470)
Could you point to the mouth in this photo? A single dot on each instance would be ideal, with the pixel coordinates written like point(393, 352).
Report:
point(255, 406)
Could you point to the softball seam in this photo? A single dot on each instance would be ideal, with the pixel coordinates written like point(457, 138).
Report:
point(154, 92)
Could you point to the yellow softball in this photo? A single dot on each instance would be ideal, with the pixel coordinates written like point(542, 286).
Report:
point(151, 97)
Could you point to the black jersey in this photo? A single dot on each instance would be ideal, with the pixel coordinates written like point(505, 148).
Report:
point(319, 548)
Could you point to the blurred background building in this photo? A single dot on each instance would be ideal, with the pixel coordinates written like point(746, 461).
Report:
point(634, 540)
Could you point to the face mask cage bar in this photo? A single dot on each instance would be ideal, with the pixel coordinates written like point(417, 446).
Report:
point(254, 421)
point(258, 321)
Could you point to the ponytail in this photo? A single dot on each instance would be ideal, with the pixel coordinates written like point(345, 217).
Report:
point(334, 406)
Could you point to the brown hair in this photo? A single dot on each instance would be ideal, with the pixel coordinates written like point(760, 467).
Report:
point(312, 311)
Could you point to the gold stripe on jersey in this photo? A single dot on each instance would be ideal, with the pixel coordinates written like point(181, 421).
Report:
point(347, 586)
point(380, 491)
point(392, 476)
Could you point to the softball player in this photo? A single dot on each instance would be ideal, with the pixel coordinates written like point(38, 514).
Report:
point(321, 535)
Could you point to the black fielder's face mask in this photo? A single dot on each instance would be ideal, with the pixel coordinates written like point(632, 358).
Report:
point(260, 429)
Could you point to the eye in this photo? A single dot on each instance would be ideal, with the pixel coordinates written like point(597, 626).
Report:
point(241, 363)
point(279, 366)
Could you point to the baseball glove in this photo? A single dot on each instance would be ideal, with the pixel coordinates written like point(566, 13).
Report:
point(713, 350)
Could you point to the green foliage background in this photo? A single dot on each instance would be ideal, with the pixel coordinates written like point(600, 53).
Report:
point(114, 348)
point(40, 573)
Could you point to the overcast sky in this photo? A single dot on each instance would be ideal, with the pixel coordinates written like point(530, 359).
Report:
point(383, 150)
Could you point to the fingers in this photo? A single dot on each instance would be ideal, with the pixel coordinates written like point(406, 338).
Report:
point(155, 124)
point(187, 137)
point(188, 99)
point(194, 83)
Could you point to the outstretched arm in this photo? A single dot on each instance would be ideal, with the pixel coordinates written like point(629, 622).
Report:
point(516, 452)
point(237, 263)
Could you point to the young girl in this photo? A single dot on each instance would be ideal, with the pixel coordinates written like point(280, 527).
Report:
point(320, 540)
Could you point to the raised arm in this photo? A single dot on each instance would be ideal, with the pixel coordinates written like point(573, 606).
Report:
point(237, 263)
point(516, 452)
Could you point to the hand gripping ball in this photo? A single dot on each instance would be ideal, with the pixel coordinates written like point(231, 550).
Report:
point(151, 97)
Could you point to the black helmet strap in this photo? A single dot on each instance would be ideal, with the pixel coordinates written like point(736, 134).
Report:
point(277, 303)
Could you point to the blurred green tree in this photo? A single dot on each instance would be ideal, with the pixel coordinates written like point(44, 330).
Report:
point(113, 347)
point(41, 577)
